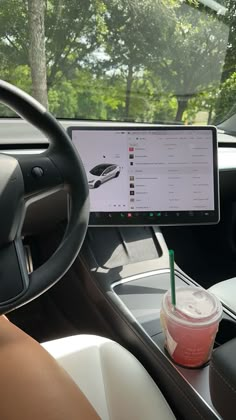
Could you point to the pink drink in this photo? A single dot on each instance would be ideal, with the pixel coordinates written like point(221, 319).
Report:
point(190, 328)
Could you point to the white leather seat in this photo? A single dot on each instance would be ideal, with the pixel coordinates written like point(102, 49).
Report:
point(226, 292)
point(113, 380)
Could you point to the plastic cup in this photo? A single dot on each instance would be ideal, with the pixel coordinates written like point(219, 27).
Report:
point(190, 327)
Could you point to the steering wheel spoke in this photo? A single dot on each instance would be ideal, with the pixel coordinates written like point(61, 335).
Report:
point(14, 277)
point(41, 176)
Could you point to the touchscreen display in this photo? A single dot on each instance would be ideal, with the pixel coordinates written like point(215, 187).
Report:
point(161, 175)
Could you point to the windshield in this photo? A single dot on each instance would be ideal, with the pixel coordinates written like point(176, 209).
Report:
point(98, 170)
point(171, 61)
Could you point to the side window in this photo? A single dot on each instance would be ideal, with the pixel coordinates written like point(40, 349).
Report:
point(108, 170)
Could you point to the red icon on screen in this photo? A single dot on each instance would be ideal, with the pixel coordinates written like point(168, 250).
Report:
point(129, 214)
point(131, 149)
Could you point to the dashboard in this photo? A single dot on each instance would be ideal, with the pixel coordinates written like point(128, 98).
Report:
point(19, 137)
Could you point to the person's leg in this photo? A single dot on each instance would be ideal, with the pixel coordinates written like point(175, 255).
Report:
point(33, 385)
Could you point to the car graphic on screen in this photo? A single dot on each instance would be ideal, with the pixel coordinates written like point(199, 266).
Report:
point(102, 173)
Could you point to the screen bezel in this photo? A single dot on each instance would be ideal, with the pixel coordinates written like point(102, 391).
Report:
point(157, 218)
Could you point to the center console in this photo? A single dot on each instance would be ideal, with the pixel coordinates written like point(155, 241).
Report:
point(126, 272)
point(142, 295)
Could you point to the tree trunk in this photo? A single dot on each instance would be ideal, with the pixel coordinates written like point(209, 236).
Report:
point(182, 106)
point(128, 90)
point(37, 53)
point(229, 61)
point(209, 120)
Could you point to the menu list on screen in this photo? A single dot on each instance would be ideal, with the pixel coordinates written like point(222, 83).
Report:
point(143, 171)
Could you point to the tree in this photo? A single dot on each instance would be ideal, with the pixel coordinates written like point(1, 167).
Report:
point(230, 20)
point(194, 57)
point(224, 107)
point(72, 30)
point(14, 45)
point(135, 32)
point(37, 53)
point(226, 104)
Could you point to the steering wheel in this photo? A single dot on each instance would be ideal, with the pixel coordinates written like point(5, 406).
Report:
point(26, 178)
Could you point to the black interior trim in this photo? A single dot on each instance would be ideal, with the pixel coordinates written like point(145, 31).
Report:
point(26, 146)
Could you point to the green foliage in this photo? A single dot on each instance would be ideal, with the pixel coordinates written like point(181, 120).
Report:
point(137, 33)
point(227, 104)
point(63, 99)
point(194, 58)
point(13, 33)
point(203, 101)
point(73, 29)
point(224, 106)
point(230, 21)
point(86, 96)
point(150, 102)
point(20, 76)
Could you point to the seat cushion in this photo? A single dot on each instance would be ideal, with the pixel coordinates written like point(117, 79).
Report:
point(226, 292)
point(112, 379)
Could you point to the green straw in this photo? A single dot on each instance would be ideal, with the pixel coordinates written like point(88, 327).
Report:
point(172, 276)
